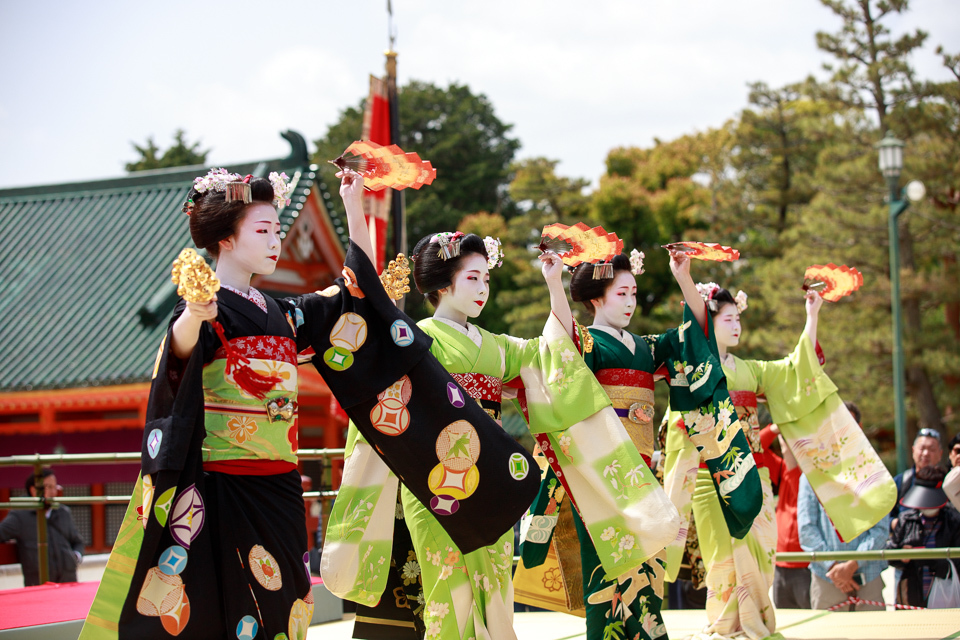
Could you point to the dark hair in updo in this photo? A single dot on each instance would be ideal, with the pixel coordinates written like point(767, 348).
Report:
point(583, 286)
point(720, 298)
point(431, 272)
point(214, 219)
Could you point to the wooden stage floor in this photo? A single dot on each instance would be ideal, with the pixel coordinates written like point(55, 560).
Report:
point(792, 623)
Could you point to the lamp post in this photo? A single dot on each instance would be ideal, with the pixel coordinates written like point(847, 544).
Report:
point(891, 164)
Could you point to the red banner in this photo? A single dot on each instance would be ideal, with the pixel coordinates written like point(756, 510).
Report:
point(376, 204)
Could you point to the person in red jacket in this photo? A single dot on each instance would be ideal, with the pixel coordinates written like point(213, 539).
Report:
point(791, 580)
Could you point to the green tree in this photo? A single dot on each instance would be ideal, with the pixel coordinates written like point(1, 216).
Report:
point(179, 154)
point(459, 133)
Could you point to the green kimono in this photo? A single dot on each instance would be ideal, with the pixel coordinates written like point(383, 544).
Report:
point(471, 595)
point(831, 449)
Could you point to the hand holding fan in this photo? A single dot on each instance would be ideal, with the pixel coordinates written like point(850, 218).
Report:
point(832, 282)
point(580, 243)
point(704, 251)
point(383, 167)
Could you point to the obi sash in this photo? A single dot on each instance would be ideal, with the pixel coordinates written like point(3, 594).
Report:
point(631, 393)
point(247, 435)
point(486, 390)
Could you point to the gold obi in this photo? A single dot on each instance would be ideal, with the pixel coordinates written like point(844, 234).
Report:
point(631, 393)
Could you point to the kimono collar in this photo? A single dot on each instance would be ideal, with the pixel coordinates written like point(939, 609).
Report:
point(252, 295)
point(625, 337)
point(470, 331)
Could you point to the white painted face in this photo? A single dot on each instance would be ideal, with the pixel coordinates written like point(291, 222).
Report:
point(255, 247)
point(726, 326)
point(470, 289)
point(616, 307)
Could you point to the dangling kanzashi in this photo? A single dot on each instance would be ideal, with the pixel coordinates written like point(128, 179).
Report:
point(383, 167)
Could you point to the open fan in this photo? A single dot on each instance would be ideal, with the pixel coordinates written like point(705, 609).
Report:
point(705, 251)
point(585, 244)
point(383, 167)
point(831, 281)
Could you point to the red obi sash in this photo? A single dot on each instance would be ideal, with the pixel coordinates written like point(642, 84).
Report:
point(743, 399)
point(480, 386)
point(625, 378)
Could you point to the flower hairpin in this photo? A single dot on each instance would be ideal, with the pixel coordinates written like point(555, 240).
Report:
point(636, 262)
point(494, 252)
point(707, 290)
point(741, 300)
point(281, 188)
point(237, 188)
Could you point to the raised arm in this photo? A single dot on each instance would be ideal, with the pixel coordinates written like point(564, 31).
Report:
point(186, 329)
point(813, 304)
point(552, 272)
point(351, 190)
point(680, 266)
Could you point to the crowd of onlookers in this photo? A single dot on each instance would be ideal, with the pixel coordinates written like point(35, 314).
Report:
point(924, 516)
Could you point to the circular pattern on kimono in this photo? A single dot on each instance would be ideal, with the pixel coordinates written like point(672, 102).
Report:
point(458, 485)
point(330, 291)
point(154, 440)
point(401, 390)
point(247, 628)
point(264, 568)
point(350, 281)
point(390, 417)
point(173, 561)
point(162, 507)
point(148, 490)
point(444, 505)
point(401, 333)
point(349, 333)
point(455, 395)
point(458, 446)
point(300, 615)
point(281, 636)
point(338, 359)
point(186, 519)
point(160, 593)
point(175, 621)
point(519, 467)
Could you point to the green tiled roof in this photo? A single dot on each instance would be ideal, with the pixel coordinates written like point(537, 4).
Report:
point(84, 286)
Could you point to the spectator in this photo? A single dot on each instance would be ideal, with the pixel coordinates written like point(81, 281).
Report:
point(64, 544)
point(834, 582)
point(791, 580)
point(953, 451)
point(927, 451)
point(925, 522)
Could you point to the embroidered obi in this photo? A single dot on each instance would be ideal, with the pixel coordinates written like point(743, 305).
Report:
point(746, 405)
point(486, 390)
point(245, 434)
point(631, 392)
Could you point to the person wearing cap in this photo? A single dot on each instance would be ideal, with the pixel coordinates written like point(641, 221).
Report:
point(926, 521)
point(927, 451)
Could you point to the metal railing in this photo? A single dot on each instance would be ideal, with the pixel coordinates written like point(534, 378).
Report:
point(41, 503)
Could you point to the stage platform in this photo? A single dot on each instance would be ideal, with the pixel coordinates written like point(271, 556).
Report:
point(793, 624)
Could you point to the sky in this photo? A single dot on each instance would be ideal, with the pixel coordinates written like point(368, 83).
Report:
point(83, 80)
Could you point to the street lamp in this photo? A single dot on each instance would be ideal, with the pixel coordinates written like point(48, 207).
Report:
point(891, 164)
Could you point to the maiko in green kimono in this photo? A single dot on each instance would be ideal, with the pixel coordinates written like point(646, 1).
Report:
point(470, 595)
point(842, 466)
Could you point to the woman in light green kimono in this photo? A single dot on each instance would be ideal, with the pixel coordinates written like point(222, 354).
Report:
point(828, 444)
point(471, 595)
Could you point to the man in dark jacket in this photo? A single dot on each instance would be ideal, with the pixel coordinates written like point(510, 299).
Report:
point(64, 544)
point(926, 521)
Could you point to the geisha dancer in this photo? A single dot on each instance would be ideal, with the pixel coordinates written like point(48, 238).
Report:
point(470, 595)
point(851, 480)
point(214, 543)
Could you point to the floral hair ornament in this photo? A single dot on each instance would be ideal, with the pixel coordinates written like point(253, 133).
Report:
point(741, 300)
point(281, 188)
point(494, 252)
point(707, 291)
point(449, 242)
point(636, 262)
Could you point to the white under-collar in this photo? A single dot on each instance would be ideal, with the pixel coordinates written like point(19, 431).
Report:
point(625, 337)
point(470, 331)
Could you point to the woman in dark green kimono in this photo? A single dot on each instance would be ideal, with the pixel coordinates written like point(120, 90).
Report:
point(624, 365)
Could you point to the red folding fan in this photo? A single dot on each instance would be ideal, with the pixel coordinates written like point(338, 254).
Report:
point(383, 167)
